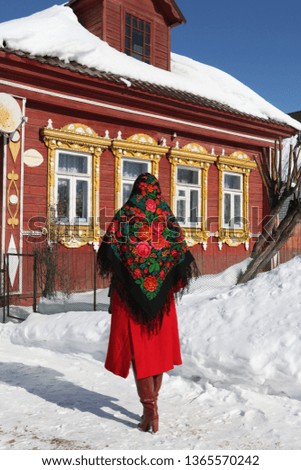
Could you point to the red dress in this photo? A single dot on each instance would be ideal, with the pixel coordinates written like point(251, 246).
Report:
point(153, 353)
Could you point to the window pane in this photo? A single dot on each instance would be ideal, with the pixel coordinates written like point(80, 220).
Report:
point(128, 19)
point(137, 42)
point(227, 209)
point(133, 169)
point(188, 176)
point(63, 199)
point(194, 205)
point(232, 181)
point(73, 163)
point(181, 210)
point(181, 193)
point(126, 191)
point(81, 210)
point(237, 209)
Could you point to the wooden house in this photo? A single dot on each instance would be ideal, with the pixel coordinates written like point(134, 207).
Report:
point(81, 133)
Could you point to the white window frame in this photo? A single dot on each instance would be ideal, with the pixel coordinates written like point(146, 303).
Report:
point(187, 188)
point(131, 180)
point(233, 193)
point(73, 178)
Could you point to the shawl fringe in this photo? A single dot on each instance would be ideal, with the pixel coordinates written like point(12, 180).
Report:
point(148, 313)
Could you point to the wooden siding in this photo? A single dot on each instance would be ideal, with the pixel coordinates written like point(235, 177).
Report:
point(106, 20)
point(90, 15)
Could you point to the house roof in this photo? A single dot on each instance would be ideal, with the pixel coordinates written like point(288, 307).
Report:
point(296, 115)
point(73, 47)
point(152, 88)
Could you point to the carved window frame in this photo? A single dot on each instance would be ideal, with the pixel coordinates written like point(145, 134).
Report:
point(192, 155)
point(237, 163)
point(136, 147)
point(81, 139)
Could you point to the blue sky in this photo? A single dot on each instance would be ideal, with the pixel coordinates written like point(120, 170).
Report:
point(255, 41)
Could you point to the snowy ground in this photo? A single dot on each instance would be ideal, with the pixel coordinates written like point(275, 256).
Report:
point(239, 386)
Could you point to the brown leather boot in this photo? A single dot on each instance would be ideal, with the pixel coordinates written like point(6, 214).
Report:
point(146, 392)
point(157, 384)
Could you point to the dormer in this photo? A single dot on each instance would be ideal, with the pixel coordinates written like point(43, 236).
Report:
point(139, 28)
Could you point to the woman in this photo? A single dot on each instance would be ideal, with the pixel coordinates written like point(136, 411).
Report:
point(145, 253)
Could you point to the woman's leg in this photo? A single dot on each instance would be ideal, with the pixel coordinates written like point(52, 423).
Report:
point(147, 395)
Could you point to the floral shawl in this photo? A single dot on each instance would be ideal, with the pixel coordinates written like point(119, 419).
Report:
point(145, 250)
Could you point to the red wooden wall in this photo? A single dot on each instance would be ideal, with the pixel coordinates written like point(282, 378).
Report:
point(106, 19)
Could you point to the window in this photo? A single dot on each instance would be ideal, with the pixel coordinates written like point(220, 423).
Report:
point(137, 154)
point(131, 169)
point(189, 190)
point(233, 226)
point(188, 196)
point(137, 38)
point(232, 200)
point(73, 182)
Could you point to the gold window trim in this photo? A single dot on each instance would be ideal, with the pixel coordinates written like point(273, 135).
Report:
point(241, 163)
point(76, 138)
point(193, 155)
point(139, 147)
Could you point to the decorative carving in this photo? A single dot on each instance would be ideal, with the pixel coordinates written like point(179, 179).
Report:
point(13, 199)
point(14, 148)
point(76, 138)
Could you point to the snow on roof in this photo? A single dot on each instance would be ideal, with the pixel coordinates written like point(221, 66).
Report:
point(56, 32)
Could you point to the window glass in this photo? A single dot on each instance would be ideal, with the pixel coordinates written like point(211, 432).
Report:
point(232, 200)
point(127, 188)
point(194, 206)
point(181, 210)
point(63, 199)
point(82, 200)
point(188, 196)
point(137, 38)
point(188, 176)
point(232, 181)
point(130, 171)
point(138, 42)
point(73, 183)
point(134, 169)
point(237, 209)
point(227, 209)
point(70, 163)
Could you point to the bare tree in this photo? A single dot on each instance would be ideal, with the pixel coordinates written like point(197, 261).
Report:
point(283, 185)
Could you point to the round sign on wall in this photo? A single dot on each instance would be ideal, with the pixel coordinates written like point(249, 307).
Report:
point(33, 158)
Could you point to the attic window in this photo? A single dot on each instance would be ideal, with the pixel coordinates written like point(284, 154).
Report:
point(137, 38)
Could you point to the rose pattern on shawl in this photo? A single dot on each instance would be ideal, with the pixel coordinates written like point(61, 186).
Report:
point(150, 283)
point(143, 249)
point(150, 205)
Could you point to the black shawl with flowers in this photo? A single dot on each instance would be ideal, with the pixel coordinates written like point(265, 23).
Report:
point(145, 251)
